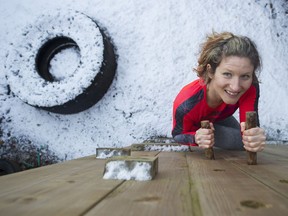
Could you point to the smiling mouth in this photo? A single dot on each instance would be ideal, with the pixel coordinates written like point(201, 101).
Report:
point(232, 93)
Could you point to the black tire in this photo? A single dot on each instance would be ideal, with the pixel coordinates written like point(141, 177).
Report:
point(8, 167)
point(103, 66)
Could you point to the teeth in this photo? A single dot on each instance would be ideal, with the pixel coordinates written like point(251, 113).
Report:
point(232, 93)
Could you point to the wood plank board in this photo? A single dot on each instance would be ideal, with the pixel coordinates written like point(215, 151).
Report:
point(186, 184)
point(69, 188)
point(271, 170)
point(37, 175)
point(222, 187)
point(64, 189)
point(168, 194)
point(276, 149)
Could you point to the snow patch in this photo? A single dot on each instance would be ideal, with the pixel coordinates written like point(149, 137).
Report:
point(168, 148)
point(120, 170)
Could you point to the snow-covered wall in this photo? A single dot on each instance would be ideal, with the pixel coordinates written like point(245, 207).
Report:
point(157, 46)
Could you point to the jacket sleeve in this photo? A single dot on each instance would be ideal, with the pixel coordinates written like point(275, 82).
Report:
point(186, 139)
point(185, 109)
point(182, 131)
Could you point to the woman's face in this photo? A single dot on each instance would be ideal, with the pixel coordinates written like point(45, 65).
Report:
point(232, 78)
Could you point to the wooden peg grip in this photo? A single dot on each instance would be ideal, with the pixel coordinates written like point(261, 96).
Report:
point(209, 152)
point(251, 122)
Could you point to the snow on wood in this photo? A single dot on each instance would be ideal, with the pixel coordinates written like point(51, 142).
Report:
point(131, 168)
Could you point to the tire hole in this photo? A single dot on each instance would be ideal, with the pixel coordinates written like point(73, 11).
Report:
point(57, 67)
point(47, 52)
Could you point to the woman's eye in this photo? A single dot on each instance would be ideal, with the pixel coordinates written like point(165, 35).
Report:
point(226, 74)
point(246, 77)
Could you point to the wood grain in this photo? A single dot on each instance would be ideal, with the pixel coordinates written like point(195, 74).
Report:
point(63, 189)
point(272, 169)
point(168, 194)
point(224, 189)
point(185, 185)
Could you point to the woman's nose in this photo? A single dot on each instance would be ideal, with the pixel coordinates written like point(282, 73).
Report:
point(235, 84)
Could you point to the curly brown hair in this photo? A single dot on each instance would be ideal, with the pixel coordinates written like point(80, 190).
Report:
point(220, 45)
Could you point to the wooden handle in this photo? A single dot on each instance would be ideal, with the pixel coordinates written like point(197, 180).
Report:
point(251, 122)
point(209, 152)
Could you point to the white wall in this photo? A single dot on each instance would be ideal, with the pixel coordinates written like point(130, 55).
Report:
point(157, 43)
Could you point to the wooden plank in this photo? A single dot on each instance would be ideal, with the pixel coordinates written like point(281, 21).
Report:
point(168, 194)
point(68, 188)
point(64, 189)
point(276, 149)
point(159, 147)
point(144, 153)
point(272, 169)
point(50, 172)
point(219, 187)
point(37, 175)
point(224, 189)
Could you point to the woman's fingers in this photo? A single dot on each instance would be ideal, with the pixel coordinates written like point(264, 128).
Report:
point(204, 138)
point(206, 143)
point(254, 139)
point(242, 126)
point(254, 147)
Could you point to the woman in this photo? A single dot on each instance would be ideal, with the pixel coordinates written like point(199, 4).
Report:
point(227, 81)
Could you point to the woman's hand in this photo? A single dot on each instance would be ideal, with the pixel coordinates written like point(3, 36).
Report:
point(253, 139)
point(205, 137)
